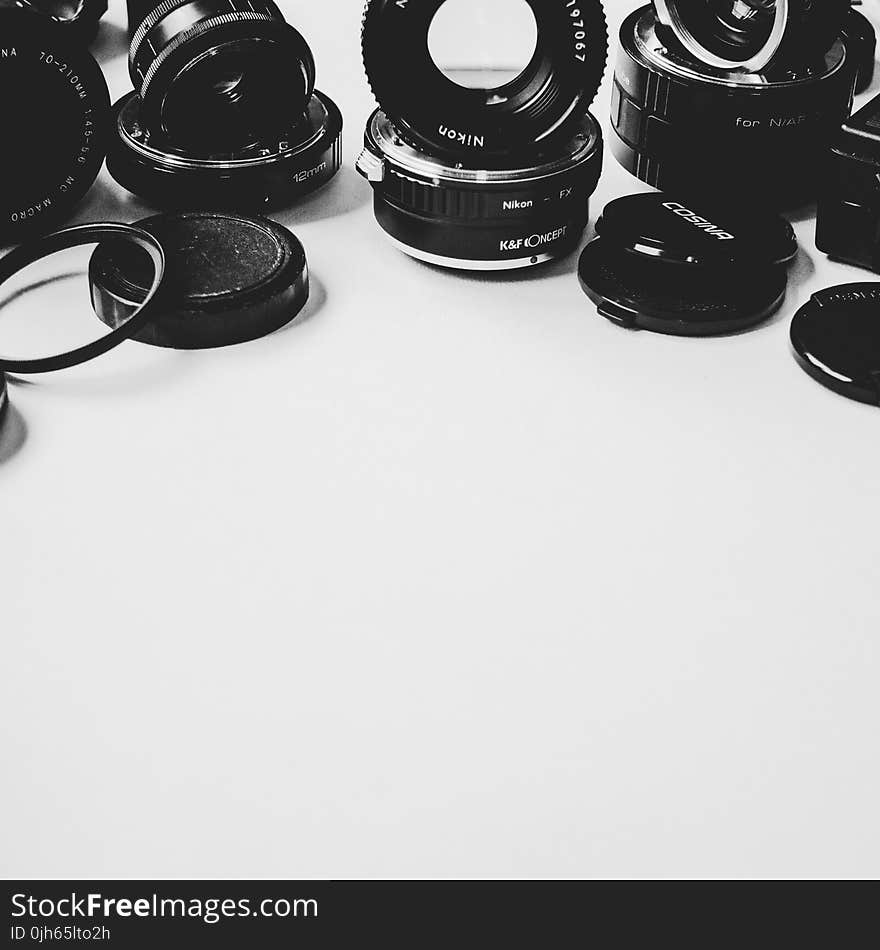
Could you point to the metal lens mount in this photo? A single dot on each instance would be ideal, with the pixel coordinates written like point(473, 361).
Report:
point(752, 35)
point(478, 219)
point(681, 125)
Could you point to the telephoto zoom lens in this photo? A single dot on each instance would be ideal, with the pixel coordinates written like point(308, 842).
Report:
point(218, 75)
point(474, 166)
point(682, 125)
point(752, 34)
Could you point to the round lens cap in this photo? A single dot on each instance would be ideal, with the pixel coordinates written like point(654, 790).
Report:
point(55, 112)
point(230, 279)
point(697, 231)
point(836, 337)
point(643, 293)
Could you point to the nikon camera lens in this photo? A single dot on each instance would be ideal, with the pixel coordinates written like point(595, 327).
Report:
point(682, 124)
point(475, 164)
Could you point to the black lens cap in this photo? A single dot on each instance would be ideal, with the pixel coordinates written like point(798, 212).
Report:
point(687, 267)
point(836, 338)
point(230, 279)
point(55, 113)
point(697, 231)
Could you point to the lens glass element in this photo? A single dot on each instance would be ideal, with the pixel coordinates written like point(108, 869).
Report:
point(483, 44)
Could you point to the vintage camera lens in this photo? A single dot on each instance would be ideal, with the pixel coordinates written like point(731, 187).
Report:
point(482, 219)
point(684, 126)
point(220, 74)
point(479, 120)
point(55, 113)
point(274, 172)
point(752, 34)
point(79, 18)
point(861, 41)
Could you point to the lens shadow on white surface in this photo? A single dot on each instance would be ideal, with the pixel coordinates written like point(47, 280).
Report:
point(13, 434)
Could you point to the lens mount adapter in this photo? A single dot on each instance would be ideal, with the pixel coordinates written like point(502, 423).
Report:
point(545, 103)
point(274, 173)
point(79, 18)
point(478, 219)
point(683, 126)
point(753, 34)
point(209, 72)
point(55, 113)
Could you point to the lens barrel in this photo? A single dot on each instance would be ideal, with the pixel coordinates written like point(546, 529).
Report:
point(210, 72)
point(478, 219)
point(432, 112)
point(684, 126)
point(55, 112)
point(275, 172)
point(752, 34)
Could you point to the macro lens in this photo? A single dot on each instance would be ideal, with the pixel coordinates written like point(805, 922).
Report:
point(685, 126)
point(55, 113)
point(482, 154)
point(752, 34)
point(220, 74)
point(79, 18)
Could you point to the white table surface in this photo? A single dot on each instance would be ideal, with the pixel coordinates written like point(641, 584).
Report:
point(451, 578)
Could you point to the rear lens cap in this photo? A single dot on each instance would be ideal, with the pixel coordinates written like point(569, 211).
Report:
point(685, 268)
point(230, 279)
point(836, 337)
point(55, 111)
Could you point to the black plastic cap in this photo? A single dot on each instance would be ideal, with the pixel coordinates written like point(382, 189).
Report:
point(230, 279)
point(836, 338)
point(680, 267)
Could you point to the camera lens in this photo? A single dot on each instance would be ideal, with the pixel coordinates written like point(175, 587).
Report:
point(274, 172)
point(55, 112)
point(684, 126)
point(220, 74)
point(482, 219)
point(474, 106)
point(78, 17)
point(752, 34)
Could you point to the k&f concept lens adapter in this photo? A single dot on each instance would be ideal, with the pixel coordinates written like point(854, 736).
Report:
point(78, 18)
point(752, 34)
point(275, 172)
point(55, 113)
point(498, 219)
point(682, 125)
point(220, 74)
point(546, 101)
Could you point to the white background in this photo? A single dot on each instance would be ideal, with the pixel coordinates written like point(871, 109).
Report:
point(451, 578)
